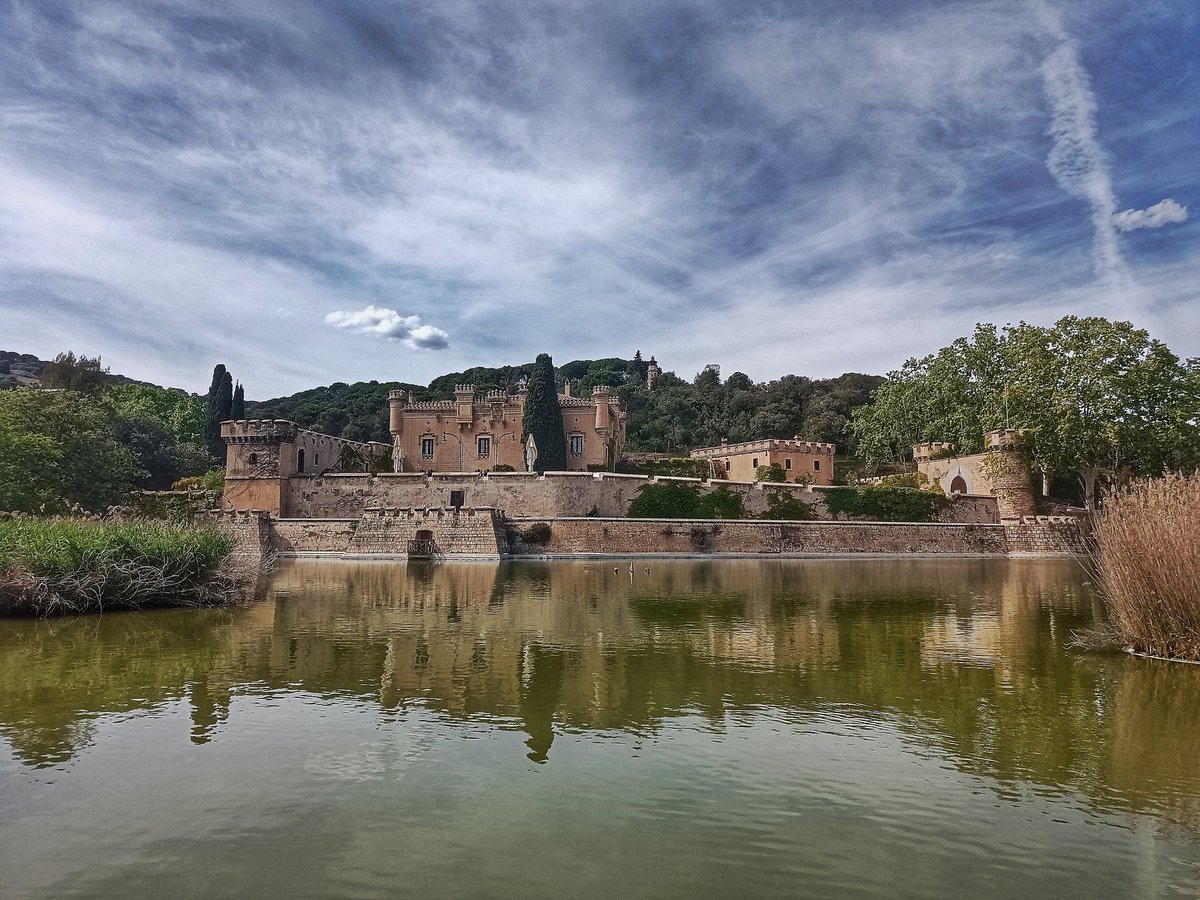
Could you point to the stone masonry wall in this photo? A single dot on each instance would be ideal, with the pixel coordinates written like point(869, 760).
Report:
point(1046, 536)
point(554, 495)
point(386, 532)
point(625, 537)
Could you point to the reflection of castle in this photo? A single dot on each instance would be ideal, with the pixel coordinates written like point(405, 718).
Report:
point(958, 647)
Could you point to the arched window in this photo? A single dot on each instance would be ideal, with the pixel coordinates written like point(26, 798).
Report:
point(253, 459)
point(958, 485)
point(300, 460)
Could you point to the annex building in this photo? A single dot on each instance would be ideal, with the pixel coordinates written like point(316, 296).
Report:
point(809, 461)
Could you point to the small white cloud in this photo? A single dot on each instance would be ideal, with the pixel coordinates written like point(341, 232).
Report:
point(1165, 212)
point(389, 325)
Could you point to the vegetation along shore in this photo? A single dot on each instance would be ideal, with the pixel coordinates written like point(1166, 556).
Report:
point(59, 566)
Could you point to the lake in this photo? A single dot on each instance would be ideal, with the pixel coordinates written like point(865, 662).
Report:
point(873, 727)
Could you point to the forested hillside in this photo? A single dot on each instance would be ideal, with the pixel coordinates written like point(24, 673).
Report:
point(675, 415)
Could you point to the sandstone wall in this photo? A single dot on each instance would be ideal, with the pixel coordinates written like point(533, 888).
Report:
point(627, 537)
point(386, 532)
point(554, 495)
point(1046, 536)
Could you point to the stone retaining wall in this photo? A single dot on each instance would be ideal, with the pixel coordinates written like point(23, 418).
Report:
point(553, 495)
point(628, 537)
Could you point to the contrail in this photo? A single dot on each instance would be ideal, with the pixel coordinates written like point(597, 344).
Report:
point(1077, 160)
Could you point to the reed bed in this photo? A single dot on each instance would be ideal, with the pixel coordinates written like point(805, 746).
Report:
point(1147, 562)
point(57, 566)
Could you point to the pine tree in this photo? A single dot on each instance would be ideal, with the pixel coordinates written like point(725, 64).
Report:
point(238, 410)
point(542, 418)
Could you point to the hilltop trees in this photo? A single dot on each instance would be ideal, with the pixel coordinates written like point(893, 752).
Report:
point(1096, 397)
point(543, 418)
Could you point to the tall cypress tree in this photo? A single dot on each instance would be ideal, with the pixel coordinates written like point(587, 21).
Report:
point(220, 405)
point(238, 410)
point(542, 418)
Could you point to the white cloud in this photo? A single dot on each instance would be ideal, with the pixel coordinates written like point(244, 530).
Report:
point(1165, 212)
point(388, 324)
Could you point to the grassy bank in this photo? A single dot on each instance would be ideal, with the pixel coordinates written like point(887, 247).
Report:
point(56, 566)
point(1148, 564)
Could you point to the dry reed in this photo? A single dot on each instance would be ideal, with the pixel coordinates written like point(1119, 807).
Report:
point(1147, 562)
point(59, 566)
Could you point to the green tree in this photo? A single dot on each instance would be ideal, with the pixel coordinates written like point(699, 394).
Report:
point(237, 409)
point(69, 372)
point(60, 449)
point(773, 472)
point(542, 418)
point(220, 405)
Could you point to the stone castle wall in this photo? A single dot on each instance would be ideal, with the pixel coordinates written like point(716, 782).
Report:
point(631, 537)
point(387, 532)
point(528, 494)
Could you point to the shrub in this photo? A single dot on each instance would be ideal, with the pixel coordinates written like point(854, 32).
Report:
point(888, 504)
point(1147, 560)
point(666, 501)
point(537, 534)
point(209, 481)
point(783, 506)
point(677, 467)
point(773, 472)
point(721, 503)
point(503, 467)
point(51, 566)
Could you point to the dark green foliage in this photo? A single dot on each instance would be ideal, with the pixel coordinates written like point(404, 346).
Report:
point(238, 408)
point(888, 504)
point(782, 505)
point(673, 500)
point(543, 418)
point(503, 467)
point(721, 503)
point(155, 451)
point(80, 373)
point(666, 501)
point(538, 534)
point(58, 449)
point(774, 472)
point(220, 405)
point(676, 415)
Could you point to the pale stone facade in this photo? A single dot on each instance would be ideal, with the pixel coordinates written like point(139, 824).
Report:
point(809, 461)
point(1002, 471)
point(476, 432)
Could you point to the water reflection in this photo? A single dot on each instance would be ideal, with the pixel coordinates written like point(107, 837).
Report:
point(969, 657)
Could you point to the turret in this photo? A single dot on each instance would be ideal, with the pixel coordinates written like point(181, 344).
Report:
point(652, 372)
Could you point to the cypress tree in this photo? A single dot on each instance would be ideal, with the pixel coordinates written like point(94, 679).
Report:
point(220, 405)
point(542, 418)
point(238, 410)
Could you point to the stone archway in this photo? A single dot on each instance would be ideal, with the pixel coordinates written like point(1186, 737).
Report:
point(958, 485)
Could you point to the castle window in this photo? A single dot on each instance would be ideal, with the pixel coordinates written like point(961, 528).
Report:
point(253, 459)
point(754, 463)
point(300, 460)
point(317, 460)
point(427, 448)
point(816, 465)
point(485, 447)
point(728, 464)
point(787, 462)
point(577, 445)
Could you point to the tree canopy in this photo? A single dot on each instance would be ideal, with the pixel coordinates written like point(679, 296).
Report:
point(1095, 397)
point(542, 418)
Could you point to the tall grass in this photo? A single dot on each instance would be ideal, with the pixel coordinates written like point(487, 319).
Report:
point(53, 566)
point(1147, 560)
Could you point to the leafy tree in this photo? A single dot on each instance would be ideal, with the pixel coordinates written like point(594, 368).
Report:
point(666, 501)
point(69, 372)
point(155, 451)
point(721, 503)
point(1097, 398)
point(543, 418)
point(781, 505)
point(59, 449)
point(181, 414)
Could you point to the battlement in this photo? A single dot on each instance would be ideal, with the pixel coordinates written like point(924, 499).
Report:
point(765, 446)
point(269, 431)
point(1004, 439)
point(926, 451)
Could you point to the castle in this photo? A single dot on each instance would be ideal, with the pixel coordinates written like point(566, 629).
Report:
point(476, 432)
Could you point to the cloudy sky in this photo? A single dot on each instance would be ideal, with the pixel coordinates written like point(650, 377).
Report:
point(353, 189)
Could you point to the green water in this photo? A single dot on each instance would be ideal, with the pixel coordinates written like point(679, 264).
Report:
point(734, 728)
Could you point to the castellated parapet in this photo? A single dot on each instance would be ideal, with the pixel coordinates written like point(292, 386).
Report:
point(477, 432)
point(1001, 471)
point(810, 461)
